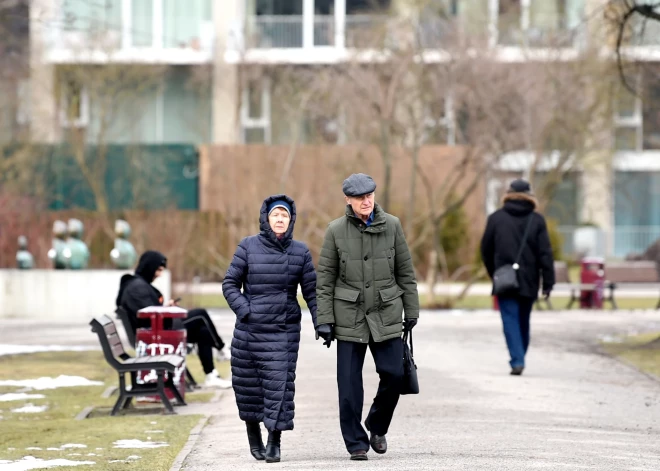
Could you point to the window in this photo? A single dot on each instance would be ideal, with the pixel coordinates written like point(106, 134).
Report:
point(537, 22)
point(74, 104)
point(651, 112)
point(255, 112)
point(628, 122)
point(439, 123)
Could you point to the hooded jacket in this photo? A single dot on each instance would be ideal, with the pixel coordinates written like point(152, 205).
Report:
point(502, 238)
point(261, 287)
point(136, 291)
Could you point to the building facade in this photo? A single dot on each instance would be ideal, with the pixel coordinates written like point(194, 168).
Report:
point(186, 59)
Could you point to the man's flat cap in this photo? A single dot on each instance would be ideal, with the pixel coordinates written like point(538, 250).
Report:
point(358, 184)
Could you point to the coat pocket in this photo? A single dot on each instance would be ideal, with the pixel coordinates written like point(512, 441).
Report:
point(346, 306)
point(391, 305)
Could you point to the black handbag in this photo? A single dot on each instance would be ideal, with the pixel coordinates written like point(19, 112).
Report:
point(505, 278)
point(410, 384)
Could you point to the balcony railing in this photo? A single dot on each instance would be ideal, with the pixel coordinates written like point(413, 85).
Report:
point(288, 31)
point(98, 42)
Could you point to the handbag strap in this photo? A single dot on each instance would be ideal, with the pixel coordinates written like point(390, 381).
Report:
point(405, 340)
point(524, 239)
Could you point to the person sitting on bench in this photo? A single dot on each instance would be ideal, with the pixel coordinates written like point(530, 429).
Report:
point(136, 292)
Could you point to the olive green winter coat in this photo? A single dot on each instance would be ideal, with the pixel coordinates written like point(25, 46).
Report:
point(365, 278)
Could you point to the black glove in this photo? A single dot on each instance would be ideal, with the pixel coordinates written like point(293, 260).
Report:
point(546, 294)
point(409, 323)
point(326, 332)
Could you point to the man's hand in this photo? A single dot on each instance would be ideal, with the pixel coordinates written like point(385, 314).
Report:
point(409, 323)
point(546, 294)
point(326, 332)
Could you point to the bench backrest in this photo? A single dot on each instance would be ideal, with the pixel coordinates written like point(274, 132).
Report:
point(113, 349)
point(128, 327)
point(632, 272)
point(561, 272)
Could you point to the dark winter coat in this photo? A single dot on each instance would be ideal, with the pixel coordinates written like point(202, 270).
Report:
point(261, 287)
point(366, 278)
point(503, 236)
point(136, 291)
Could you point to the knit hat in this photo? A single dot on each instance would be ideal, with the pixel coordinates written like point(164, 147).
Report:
point(279, 204)
point(520, 186)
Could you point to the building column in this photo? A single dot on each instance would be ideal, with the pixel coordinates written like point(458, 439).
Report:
point(340, 24)
point(228, 19)
point(44, 119)
point(308, 24)
point(598, 195)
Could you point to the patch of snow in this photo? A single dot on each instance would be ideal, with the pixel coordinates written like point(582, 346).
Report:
point(33, 448)
point(153, 423)
point(19, 397)
point(72, 445)
point(127, 460)
point(138, 444)
point(62, 381)
point(30, 408)
point(30, 462)
point(154, 431)
point(6, 349)
point(74, 454)
point(53, 449)
point(99, 448)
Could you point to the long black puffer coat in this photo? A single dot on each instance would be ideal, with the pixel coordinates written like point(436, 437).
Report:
point(264, 350)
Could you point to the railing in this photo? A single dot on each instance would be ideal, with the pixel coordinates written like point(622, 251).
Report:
point(628, 240)
point(197, 36)
point(288, 31)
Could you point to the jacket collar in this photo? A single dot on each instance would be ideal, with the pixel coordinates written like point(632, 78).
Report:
point(378, 224)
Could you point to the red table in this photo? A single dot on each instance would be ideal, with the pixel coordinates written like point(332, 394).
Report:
point(159, 340)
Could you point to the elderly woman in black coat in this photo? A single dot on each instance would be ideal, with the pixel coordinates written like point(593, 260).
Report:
point(268, 267)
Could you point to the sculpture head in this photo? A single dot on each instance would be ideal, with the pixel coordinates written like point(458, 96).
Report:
point(75, 228)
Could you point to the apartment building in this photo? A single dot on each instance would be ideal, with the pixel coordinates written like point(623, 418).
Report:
point(196, 49)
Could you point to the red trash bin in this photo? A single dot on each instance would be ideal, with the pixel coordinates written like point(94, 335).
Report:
point(592, 273)
point(162, 339)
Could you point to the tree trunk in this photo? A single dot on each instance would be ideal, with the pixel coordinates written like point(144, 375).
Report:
point(387, 162)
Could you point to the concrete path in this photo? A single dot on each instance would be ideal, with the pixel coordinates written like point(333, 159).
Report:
point(624, 290)
point(572, 409)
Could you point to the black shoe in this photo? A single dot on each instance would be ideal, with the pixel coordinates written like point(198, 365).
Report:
point(517, 370)
point(359, 455)
point(273, 447)
point(378, 443)
point(257, 447)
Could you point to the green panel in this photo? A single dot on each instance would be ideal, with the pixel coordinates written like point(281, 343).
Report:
point(144, 177)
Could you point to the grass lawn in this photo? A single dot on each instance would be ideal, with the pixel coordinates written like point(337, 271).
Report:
point(643, 351)
point(56, 426)
point(217, 301)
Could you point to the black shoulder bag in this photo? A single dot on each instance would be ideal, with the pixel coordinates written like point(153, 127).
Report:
point(505, 278)
point(410, 384)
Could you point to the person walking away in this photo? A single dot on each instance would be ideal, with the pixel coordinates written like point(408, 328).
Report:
point(366, 281)
point(517, 235)
point(261, 287)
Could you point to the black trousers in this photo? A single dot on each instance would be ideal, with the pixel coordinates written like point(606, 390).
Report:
point(201, 331)
point(388, 356)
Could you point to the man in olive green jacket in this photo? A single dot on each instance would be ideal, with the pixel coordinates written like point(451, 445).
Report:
point(365, 281)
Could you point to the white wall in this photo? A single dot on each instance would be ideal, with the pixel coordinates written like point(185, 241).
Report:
point(64, 295)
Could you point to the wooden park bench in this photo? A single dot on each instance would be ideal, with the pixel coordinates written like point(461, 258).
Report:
point(191, 384)
point(615, 273)
point(114, 353)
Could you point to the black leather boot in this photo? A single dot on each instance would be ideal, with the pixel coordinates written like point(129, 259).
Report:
point(256, 443)
point(273, 447)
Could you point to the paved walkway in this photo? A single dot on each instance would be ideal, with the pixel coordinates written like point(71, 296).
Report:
point(624, 290)
point(572, 409)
